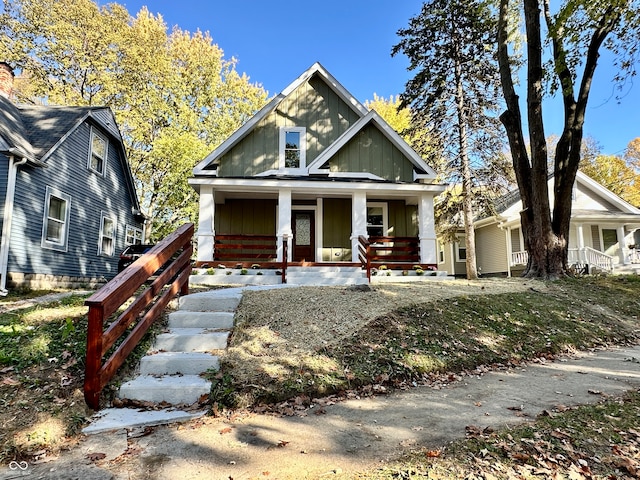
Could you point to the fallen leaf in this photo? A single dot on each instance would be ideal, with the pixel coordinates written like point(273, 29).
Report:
point(10, 381)
point(225, 431)
point(7, 370)
point(282, 444)
point(433, 453)
point(94, 457)
point(517, 408)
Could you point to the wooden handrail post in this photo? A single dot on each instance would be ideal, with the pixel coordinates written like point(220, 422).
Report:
point(93, 362)
point(368, 255)
point(285, 257)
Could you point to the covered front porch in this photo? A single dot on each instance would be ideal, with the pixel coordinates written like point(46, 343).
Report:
point(593, 247)
point(284, 224)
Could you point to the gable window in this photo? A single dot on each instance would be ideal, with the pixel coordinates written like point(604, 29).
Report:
point(55, 227)
point(98, 152)
point(292, 154)
point(377, 219)
point(133, 235)
point(107, 235)
point(461, 250)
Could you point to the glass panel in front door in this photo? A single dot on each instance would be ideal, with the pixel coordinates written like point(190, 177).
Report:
point(303, 229)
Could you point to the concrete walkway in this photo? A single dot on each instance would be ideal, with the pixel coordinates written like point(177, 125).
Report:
point(336, 440)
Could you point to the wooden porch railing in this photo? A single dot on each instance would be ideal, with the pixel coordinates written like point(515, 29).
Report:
point(248, 248)
point(174, 255)
point(599, 259)
point(575, 256)
point(519, 258)
point(389, 250)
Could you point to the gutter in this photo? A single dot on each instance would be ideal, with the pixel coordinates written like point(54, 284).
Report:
point(8, 217)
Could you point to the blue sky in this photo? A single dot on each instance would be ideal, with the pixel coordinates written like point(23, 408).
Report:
point(274, 41)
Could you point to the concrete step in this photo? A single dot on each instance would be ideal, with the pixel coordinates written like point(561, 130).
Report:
point(215, 301)
point(185, 389)
point(324, 269)
point(173, 363)
point(190, 319)
point(191, 340)
point(319, 281)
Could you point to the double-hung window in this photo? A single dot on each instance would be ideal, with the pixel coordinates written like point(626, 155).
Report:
point(98, 152)
point(133, 235)
point(55, 225)
point(377, 219)
point(461, 250)
point(106, 246)
point(293, 146)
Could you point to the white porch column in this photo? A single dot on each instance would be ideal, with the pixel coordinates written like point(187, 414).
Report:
point(427, 230)
point(206, 229)
point(622, 246)
point(284, 223)
point(358, 221)
point(507, 232)
point(580, 236)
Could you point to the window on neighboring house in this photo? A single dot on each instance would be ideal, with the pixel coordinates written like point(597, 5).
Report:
point(441, 254)
point(55, 227)
point(133, 235)
point(293, 148)
point(107, 235)
point(98, 153)
point(461, 251)
point(377, 219)
point(609, 238)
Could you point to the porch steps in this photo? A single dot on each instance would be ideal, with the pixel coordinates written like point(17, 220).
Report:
point(171, 371)
point(325, 275)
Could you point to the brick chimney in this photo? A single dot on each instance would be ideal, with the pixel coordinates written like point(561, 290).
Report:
point(6, 79)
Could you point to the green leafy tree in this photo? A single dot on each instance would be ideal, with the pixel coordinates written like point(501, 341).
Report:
point(576, 32)
point(616, 174)
point(452, 94)
point(174, 94)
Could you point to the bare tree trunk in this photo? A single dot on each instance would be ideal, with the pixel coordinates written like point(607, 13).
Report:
point(467, 194)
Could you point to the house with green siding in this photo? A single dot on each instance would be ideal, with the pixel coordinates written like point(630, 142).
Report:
point(312, 174)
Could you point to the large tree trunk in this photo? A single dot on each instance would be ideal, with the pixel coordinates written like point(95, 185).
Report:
point(546, 236)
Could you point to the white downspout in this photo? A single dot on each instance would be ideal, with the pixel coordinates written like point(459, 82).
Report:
point(6, 224)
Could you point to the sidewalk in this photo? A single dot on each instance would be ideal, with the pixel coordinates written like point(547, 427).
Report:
point(335, 441)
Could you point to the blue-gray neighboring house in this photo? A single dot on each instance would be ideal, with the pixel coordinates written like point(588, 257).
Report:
point(68, 204)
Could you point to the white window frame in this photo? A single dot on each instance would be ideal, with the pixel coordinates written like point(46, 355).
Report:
point(96, 134)
point(134, 233)
point(62, 245)
point(106, 216)
point(385, 217)
point(303, 150)
point(460, 244)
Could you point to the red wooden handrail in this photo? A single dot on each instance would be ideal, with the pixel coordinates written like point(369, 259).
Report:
point(364, 254)
point(115, 293)
point(285, 257)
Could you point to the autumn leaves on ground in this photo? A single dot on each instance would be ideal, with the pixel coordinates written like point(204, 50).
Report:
point(278, 361)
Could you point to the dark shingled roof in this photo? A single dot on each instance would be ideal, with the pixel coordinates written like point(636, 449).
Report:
point(35, 129)
point(13, 131)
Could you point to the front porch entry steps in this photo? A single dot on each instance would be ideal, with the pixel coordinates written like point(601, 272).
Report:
point(172, 370)
point(329, 275)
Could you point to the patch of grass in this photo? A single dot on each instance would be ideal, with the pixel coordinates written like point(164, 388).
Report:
point(412, 344)
point(42, 353)
point(593, 441)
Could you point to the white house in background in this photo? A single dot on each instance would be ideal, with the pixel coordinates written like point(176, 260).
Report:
point(604, 234)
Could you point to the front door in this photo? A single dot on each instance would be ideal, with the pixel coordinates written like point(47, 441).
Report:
point(304, 241)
